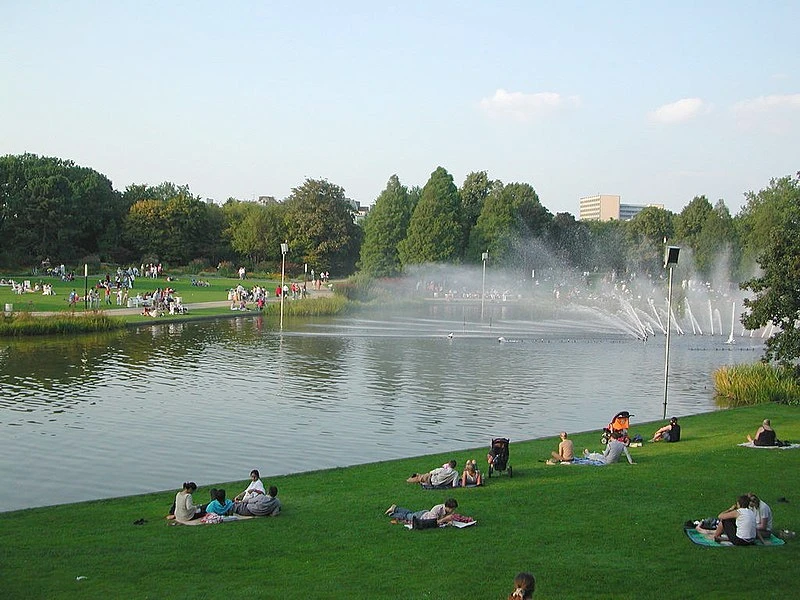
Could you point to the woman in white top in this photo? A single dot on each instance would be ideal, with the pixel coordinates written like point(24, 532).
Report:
point(738, 523)
point(254, 489)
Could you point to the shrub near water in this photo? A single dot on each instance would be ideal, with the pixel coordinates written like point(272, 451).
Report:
point(23, 324)
point(746, 385)
point(313, 307)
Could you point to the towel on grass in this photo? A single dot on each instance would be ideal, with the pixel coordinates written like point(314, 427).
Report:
point(211, 520)
point(707, 539)
point(580, 460)
point(752, 445)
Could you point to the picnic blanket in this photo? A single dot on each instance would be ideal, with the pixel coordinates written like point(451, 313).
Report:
point(204, 521)
point(445, 486)
point(580, 460)
point(707, 539)
point(459, 521)
point(752, 445)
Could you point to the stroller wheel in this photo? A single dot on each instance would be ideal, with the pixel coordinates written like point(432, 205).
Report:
point(510, 472)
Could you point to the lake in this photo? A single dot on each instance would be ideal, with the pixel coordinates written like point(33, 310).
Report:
point(104, 416)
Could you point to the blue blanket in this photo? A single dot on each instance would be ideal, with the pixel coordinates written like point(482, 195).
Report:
point(585, 461)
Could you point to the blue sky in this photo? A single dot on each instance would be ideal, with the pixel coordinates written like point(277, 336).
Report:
point(655, 101)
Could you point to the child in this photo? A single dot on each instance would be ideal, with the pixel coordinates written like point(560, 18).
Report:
point(219, 505)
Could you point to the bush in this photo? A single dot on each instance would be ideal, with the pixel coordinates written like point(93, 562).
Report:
point(23, 324)
point(747, 385)
point(198, 265)
point(226, 269)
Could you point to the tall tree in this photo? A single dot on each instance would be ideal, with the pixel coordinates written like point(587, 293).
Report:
point(320, 226)
point(384, 228)
point(647, 232)
point(777, 290)
point(255, 229)
point(476, 188)
point(434, 232)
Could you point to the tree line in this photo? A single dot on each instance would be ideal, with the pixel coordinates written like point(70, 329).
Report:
point(52, 208)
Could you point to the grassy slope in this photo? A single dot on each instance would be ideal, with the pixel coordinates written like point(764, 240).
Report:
point(586, 532)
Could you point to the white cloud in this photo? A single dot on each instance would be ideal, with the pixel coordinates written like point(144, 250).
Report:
point(765, 104)
point(525, 107)
point(678, 112)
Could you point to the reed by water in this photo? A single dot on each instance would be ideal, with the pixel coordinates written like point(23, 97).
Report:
point(758, 383)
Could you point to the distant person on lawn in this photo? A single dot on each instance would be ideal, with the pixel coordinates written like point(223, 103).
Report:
point(263, 505)
point(443, 513)
point(444, 475)
point(765, 435)
point(737, 524)
point(566, 450)
point(614, 449)
point(671, 432)
point(254, 489)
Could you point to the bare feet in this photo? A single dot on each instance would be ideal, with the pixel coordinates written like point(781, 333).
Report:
point(390, 510)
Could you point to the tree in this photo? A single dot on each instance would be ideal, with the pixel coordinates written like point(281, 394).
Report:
point(320, 226)
point(569, 240)
point(473, 193)
point(384, 228)
point(716, 248)
point(511, 216)
point(53, 208)
point(647, 232)
point(255, 229)
point(777, 289)
point(434, 232)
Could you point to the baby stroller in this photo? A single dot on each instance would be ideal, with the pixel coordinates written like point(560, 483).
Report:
point(620, 424)
point(498, 457)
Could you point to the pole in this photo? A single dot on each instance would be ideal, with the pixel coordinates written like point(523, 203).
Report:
point(284, 250)
point(484, 256)
point(85, 286)
point(666, 356)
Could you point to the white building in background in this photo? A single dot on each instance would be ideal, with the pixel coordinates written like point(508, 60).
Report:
point(608, 207)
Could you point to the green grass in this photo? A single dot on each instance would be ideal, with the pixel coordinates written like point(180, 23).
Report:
point(586, 532)
point(757, 383)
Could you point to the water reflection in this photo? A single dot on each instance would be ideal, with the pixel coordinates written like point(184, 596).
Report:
point(149, 408)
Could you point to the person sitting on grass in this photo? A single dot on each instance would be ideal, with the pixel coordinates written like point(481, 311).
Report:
point(765, 435)
point(763, 516)
point(737, 524)
point(444, 475)
point(614, 449)
point(524, 586)
point(671, 432)
point(262, 505)
point(184, 508)
point(219, 504)
point(443, 513)
point(471, 474)
point(253, 489)
point(566, 450)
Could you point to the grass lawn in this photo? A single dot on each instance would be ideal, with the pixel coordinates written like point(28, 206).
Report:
point(585, 532)
point(35, 301)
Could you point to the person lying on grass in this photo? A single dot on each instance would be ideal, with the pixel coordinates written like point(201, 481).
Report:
point(262, 505)
point(443, 513)
point(444, 475)
point(614, 449)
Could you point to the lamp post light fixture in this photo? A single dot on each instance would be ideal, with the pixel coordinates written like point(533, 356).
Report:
point(85, 286)
point(284, 250)
point(670, 261)
point(484, 258)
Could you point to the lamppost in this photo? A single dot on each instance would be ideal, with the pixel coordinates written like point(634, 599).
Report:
point(484, 258)
point(284, 250)
point(85, 286)
point(670, 260)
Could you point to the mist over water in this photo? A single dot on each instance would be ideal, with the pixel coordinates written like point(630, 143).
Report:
point(208, 401)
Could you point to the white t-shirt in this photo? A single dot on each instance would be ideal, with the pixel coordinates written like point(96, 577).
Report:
point(764, 512)
point(746, 524)
point(251, 492)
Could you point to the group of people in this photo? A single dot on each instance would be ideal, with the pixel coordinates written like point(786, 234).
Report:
point(447, 475)
point(253, 501)
point(749, 518)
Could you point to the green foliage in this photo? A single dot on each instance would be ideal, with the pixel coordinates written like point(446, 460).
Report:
point(434, 232)
point(384, 229)
point(23, 324)
point(777, 290)
point(310, 307)
point(328, 544)
point(255, 230)
point(53, 208)
point(646, 234)
point(321, 229)
point(747, 385)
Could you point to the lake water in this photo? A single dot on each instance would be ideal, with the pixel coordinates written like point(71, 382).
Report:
point(112, 415)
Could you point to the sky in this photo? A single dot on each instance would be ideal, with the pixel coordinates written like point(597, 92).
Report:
point(656, 101)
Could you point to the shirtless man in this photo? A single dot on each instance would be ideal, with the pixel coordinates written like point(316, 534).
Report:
point(566, 451)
